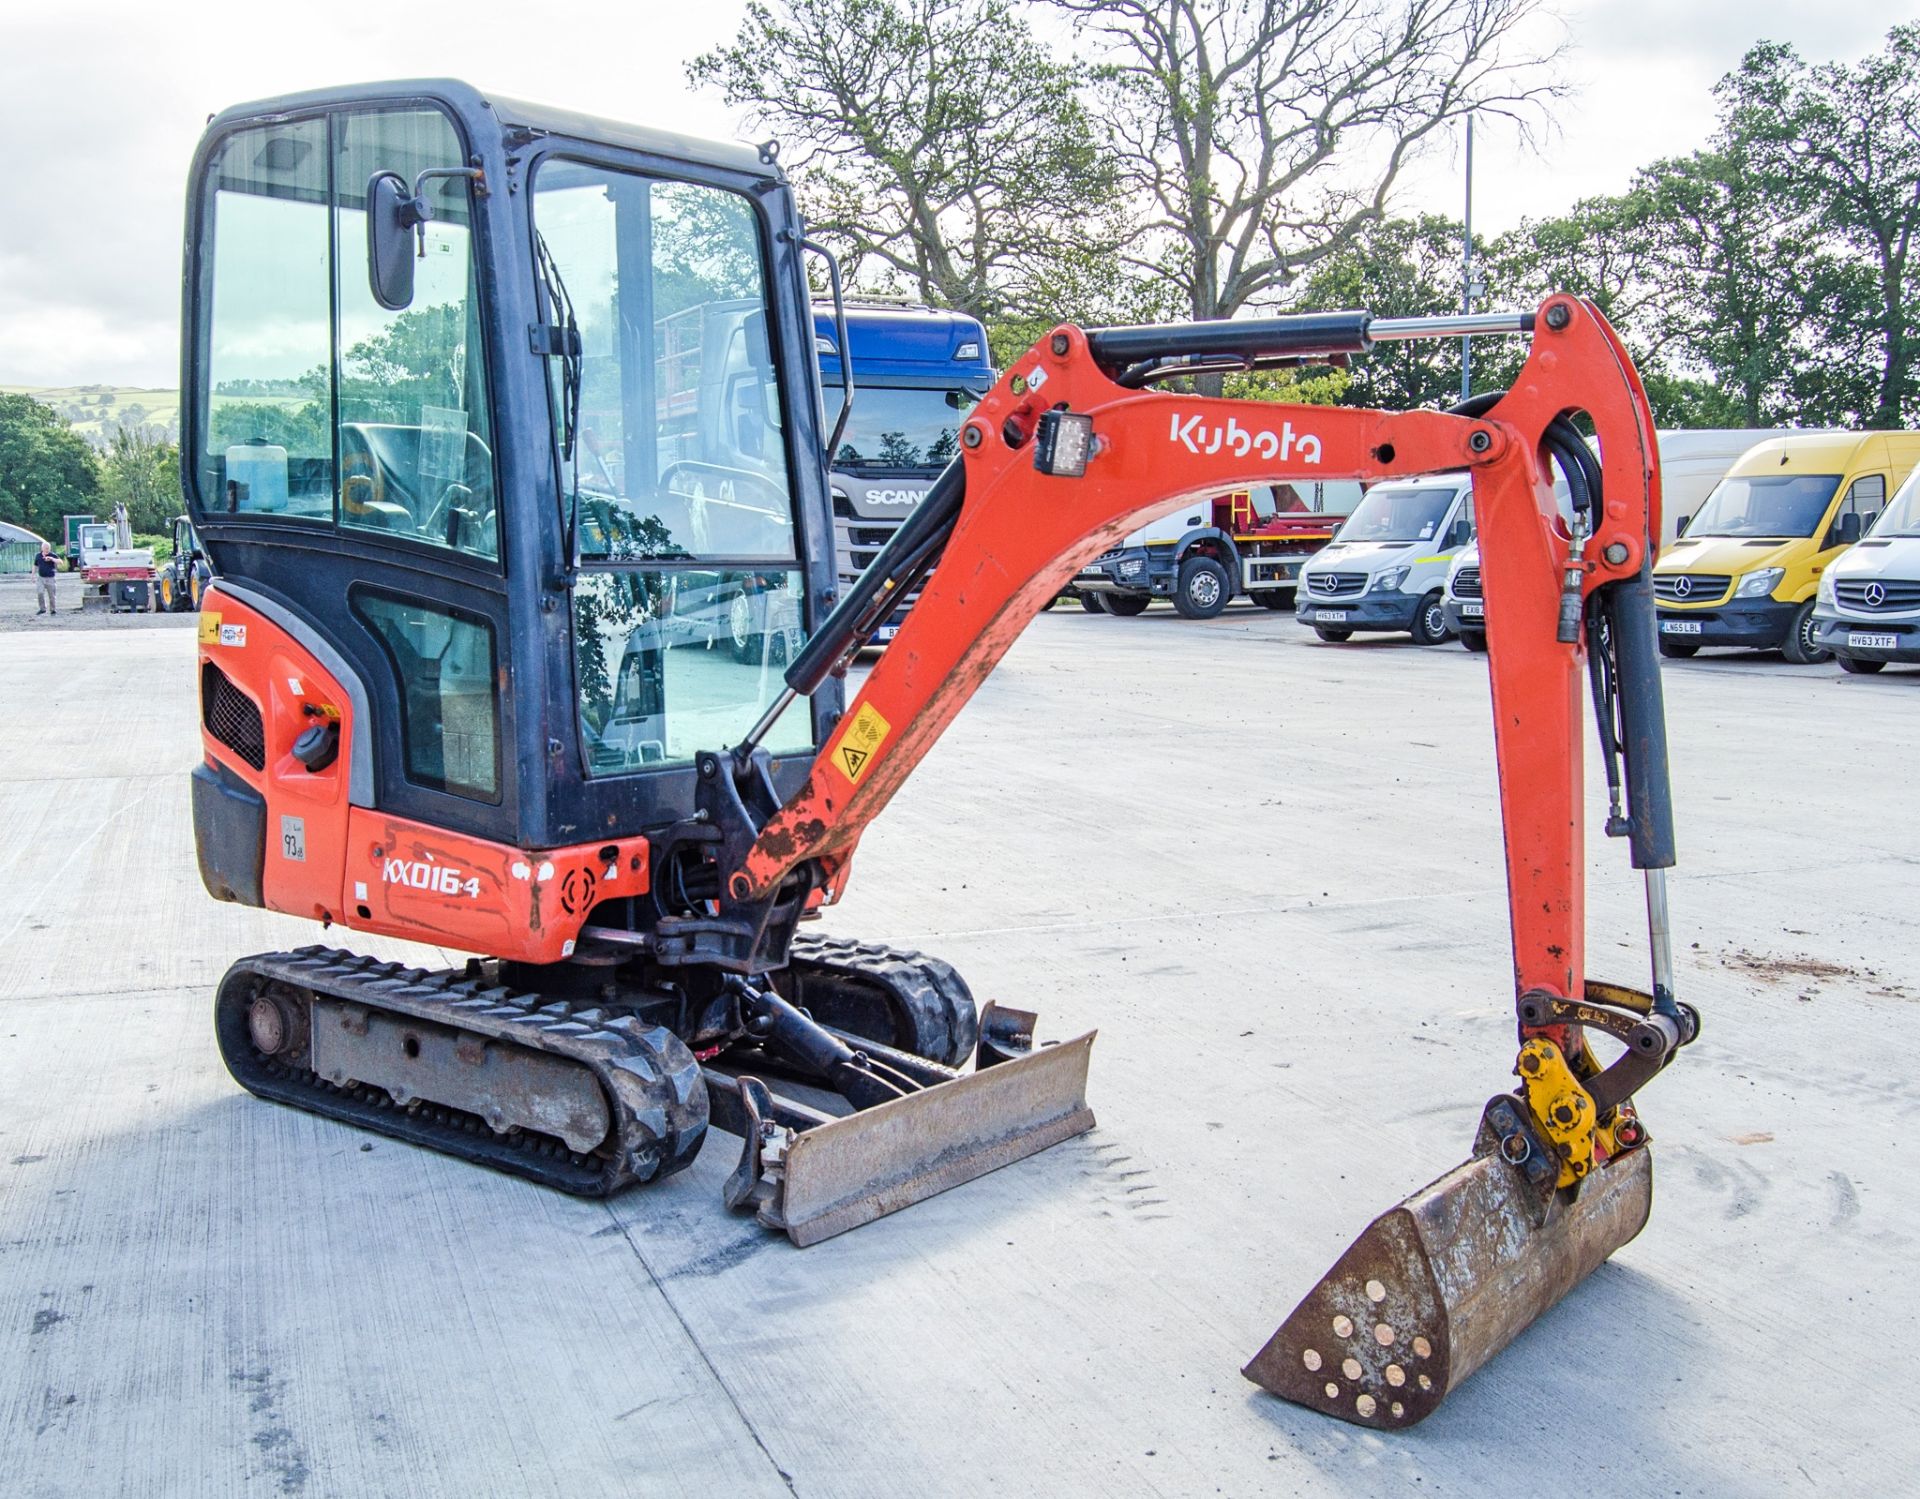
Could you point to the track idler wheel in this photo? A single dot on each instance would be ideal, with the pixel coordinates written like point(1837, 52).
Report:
point(1441, 1283)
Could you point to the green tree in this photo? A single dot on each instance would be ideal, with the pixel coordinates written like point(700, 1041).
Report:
point(1259, 138)
point(46, 470)
point(143, 473)
point(1842, 145)
point(1399, 268)
point(937, 142)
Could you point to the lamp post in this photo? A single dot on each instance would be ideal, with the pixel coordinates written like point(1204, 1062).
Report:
point(1466, 274)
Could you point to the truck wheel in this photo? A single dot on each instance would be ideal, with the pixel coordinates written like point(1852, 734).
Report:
point(1203, 589)
point(1860, 666)
point(167, 601)
point(1474, 640)
point(1276, 599)
point(1331, 635)
point(1800, 647)
point(1126, 605)
point(1679, 650)
point(1093, 603)
point(1430, 621)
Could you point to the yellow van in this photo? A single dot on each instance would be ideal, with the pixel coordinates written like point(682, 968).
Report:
point(1746, 566)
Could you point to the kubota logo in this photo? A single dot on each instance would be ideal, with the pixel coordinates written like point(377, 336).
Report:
point(1285, 444)
point(441, 879)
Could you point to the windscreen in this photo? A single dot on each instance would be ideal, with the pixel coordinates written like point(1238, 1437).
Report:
point(1390, 513)
point(668, 424)
point(900, 429)
point(1770, 505)
point(1902, 517)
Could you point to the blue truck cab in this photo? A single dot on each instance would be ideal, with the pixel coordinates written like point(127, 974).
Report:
point(917, 371)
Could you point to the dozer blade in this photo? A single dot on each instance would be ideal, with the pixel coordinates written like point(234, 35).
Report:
point(1441, 1283)
point(820, 1181)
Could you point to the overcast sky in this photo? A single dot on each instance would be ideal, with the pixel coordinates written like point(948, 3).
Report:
point(101, 104)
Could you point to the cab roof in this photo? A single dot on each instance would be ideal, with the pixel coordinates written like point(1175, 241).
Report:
point(475, 106)
point(904, 341)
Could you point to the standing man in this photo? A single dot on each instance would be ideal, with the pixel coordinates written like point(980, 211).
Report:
point(46, 567)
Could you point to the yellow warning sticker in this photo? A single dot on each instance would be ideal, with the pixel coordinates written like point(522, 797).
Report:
point(209, 628)
point(860, 743)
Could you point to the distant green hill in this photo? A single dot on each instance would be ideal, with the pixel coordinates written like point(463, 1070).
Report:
point(94, 411)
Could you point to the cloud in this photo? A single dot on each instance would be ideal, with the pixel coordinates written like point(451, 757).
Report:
point(102, 106)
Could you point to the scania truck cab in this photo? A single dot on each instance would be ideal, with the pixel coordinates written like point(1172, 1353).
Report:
point(1746, 567)
point(1386, 567)
point(1867, 610)
point(917, 371)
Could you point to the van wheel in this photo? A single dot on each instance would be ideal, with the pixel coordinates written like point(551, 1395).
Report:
point(1680, 650)
point(1331, 635)
point(1474, 640)
point(1799, 647)
point(1203, 590)
point(1430, 621)
point(1093, 603)
point(1860, 666)
point(1126, 605)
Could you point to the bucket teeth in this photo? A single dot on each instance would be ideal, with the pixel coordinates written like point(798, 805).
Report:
point(1442, 1282)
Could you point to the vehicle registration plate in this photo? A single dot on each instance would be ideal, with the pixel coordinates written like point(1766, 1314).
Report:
point(885, 633)
point(1332, 616)
point(1679, 627)
point(1871, 642)
point(1473, 611)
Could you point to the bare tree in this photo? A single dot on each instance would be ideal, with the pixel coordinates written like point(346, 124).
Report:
point(1263, 135)
point(935, 140)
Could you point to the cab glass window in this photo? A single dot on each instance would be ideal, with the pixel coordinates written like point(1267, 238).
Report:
point(443, 668)
point(416, 453)
point(267, 441)
point(669, 421)
point(318, 404)
point(1865, 498)
point(668, 426)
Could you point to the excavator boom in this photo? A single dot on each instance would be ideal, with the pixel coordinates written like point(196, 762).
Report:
point(1071, 451)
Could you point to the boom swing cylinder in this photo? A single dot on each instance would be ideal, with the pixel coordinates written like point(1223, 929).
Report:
point(1068, 453)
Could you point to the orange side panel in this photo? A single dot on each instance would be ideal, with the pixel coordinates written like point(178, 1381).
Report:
point(336, 863)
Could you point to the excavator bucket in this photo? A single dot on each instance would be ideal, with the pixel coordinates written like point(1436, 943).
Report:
point(811, 1175)
point(1442, 1282)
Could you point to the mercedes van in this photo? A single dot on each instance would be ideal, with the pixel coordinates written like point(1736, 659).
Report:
point(1386, 566)
point(1867, 611)
point(1745, 567)
point(1463, 604)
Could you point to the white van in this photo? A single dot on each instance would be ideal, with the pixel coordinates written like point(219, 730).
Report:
point(1867, 611)
point(1463, 605)
point(1386, 566)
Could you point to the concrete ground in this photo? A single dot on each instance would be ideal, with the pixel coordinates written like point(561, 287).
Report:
point(1266, 868)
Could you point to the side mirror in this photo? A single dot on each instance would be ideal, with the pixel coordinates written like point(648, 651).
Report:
point(1849, 528)
point(391, 217)
point(1680, 526)
point(1460, 535)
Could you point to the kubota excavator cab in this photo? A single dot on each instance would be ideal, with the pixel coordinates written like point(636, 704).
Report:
point(504, 433)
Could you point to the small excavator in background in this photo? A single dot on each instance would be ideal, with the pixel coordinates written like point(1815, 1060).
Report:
point(498, 418)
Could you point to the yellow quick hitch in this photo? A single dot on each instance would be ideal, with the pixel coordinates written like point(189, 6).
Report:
point(1564, 1109)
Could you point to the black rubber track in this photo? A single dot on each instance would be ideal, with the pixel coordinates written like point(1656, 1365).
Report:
point(903, 999)
point(652, 1084)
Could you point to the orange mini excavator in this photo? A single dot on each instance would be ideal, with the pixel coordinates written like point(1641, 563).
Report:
point(504, 433)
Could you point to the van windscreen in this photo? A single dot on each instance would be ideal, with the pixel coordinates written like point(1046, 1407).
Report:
point(1782, 505)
